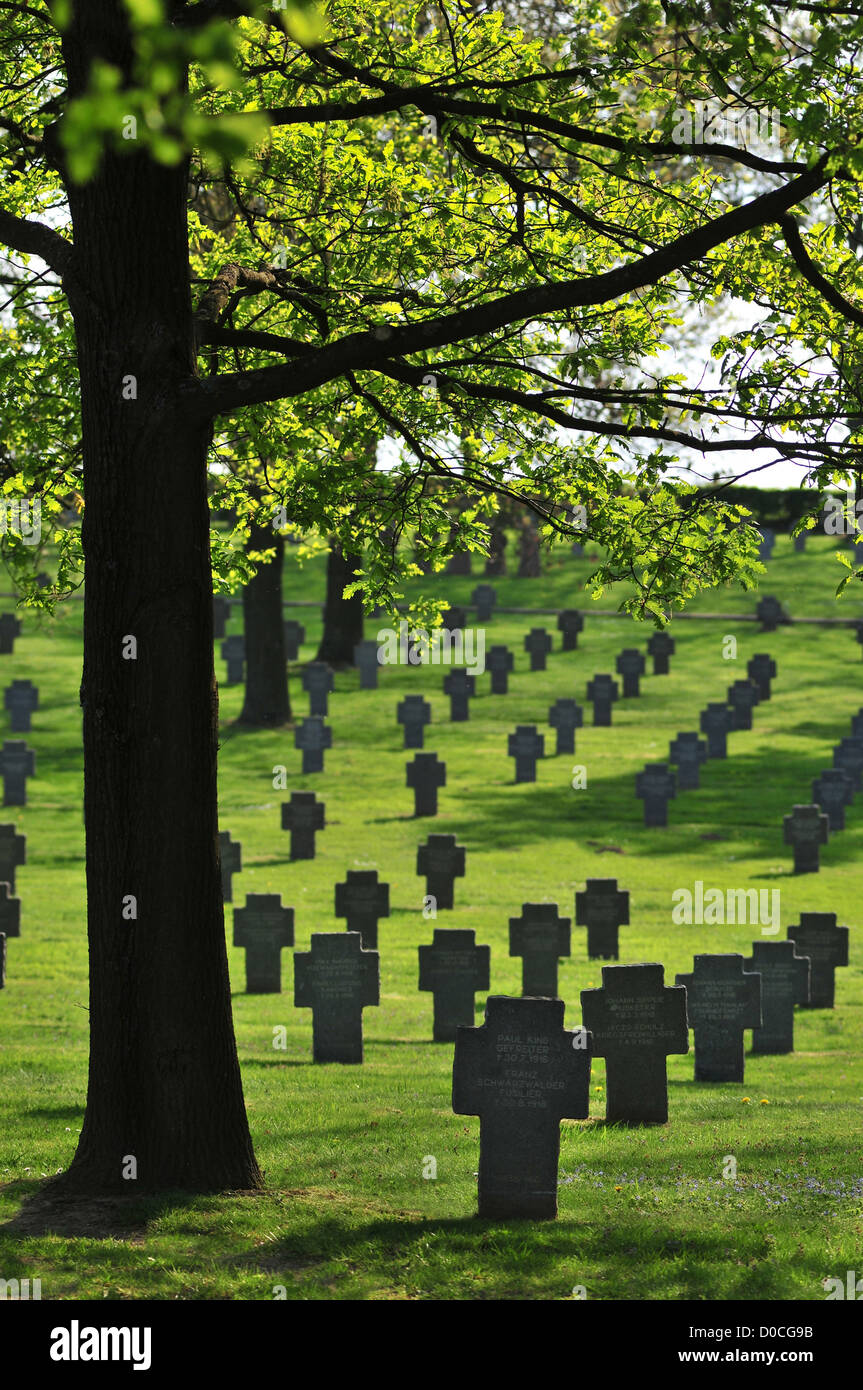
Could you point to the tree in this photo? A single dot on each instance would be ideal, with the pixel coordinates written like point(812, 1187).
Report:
point(454, 236)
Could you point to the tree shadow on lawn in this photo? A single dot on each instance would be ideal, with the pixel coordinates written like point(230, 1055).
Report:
point(43, 1212)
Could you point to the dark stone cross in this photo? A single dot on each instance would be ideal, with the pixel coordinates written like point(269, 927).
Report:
point(537, 644)
point(577, 550)
point(221, 614)
point(484, 598)
point(857, 724)
point(459, 562)
point(295, 635)
point(499, 661)
point(630, 664)
point(441, 860)
point(742, 699)
point(10, 628)
point(17, 763)
point(459, 686)
point(848, 756)
point(570, 623)
point(263, 927)
point(13, 853)
point(363, 901)
point(231, 855)
point(453, 968)
point(540, 936)
point(716, 721)
point(565, 716)
point(454, 619)
point(602, 908)
point(426, 774)
point(833, 791)
point(303, 815)
point(21, 698)
point(770, 613)
point(367, 663)
point(526, 745)
point(767, 542)
point(317, 681)
point(313, 737)
point(687, 752)
point(413, 712)
point(336, 979)
point(818, 937)
point(10, 912)
point(234, 653)
point(806, 829)
point(800, 542)
point(636, 1021)
point(655, 786)
point(660, 646)
point(721, 1001)
point(784, 983)
point(2, 961)
point(761, 669)
point(859, 634)
point(602, 691)
point(522, 1072)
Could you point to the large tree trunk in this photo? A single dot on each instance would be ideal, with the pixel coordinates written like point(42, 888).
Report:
point(267, 702)
point(164, 1084)
point(343, 617)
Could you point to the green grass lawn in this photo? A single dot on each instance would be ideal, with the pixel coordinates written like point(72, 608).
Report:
point(644, 1213)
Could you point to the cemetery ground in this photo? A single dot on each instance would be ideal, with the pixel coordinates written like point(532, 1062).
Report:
point(349, 1210)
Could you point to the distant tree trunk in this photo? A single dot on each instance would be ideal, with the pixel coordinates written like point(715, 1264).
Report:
point(343, 617)
point(267, 702)
point(496, 562)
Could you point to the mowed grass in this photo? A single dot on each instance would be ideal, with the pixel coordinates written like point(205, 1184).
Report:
point(644, 1213)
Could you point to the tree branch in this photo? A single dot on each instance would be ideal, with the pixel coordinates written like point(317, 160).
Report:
point(809, 270)
point(35, 239)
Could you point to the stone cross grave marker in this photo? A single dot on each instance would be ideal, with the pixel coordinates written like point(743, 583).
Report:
point(767, 542)
point(221, 614)
point(13, 853)
point(540, 936)
point(303, 815)
point(453, 968)
point(234, 653)
point(602, 692)
point(441, 860)
point(10, 628)
point(806, 829)
point(818, 937)
point(660, 646)
point(577, 550)
point(522, 1072)
point(526, 745)
point(770, 613)
point(800, 542)
point(630, 664)
point(318, 681)
point(362, 900)
point(295, 635)
point(413, 713)
point(263, 927)
point(636, 1021)
point(716, 722)
point(313, 737)
point(858, 627)
point(21, 699)
point(537, 644)
point(848, 756)
point(784, 983)
point(742, 699)
point(10, 912)
point(366, 662)
point(459, 562)
point(484, 598)
point(655, 786)
point(2, 961)
point(602, 907)
point(336, 979)
point(231, 856)
point(565, 716)
point(499, 661)
point(687, 752)
point(857, 724)
point(426, 774)
point(17, 763)
point(570, 623)
point(454, 619)
point(721, 1001)
point(460, 687)
point(833, 791)
point(761, 669)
